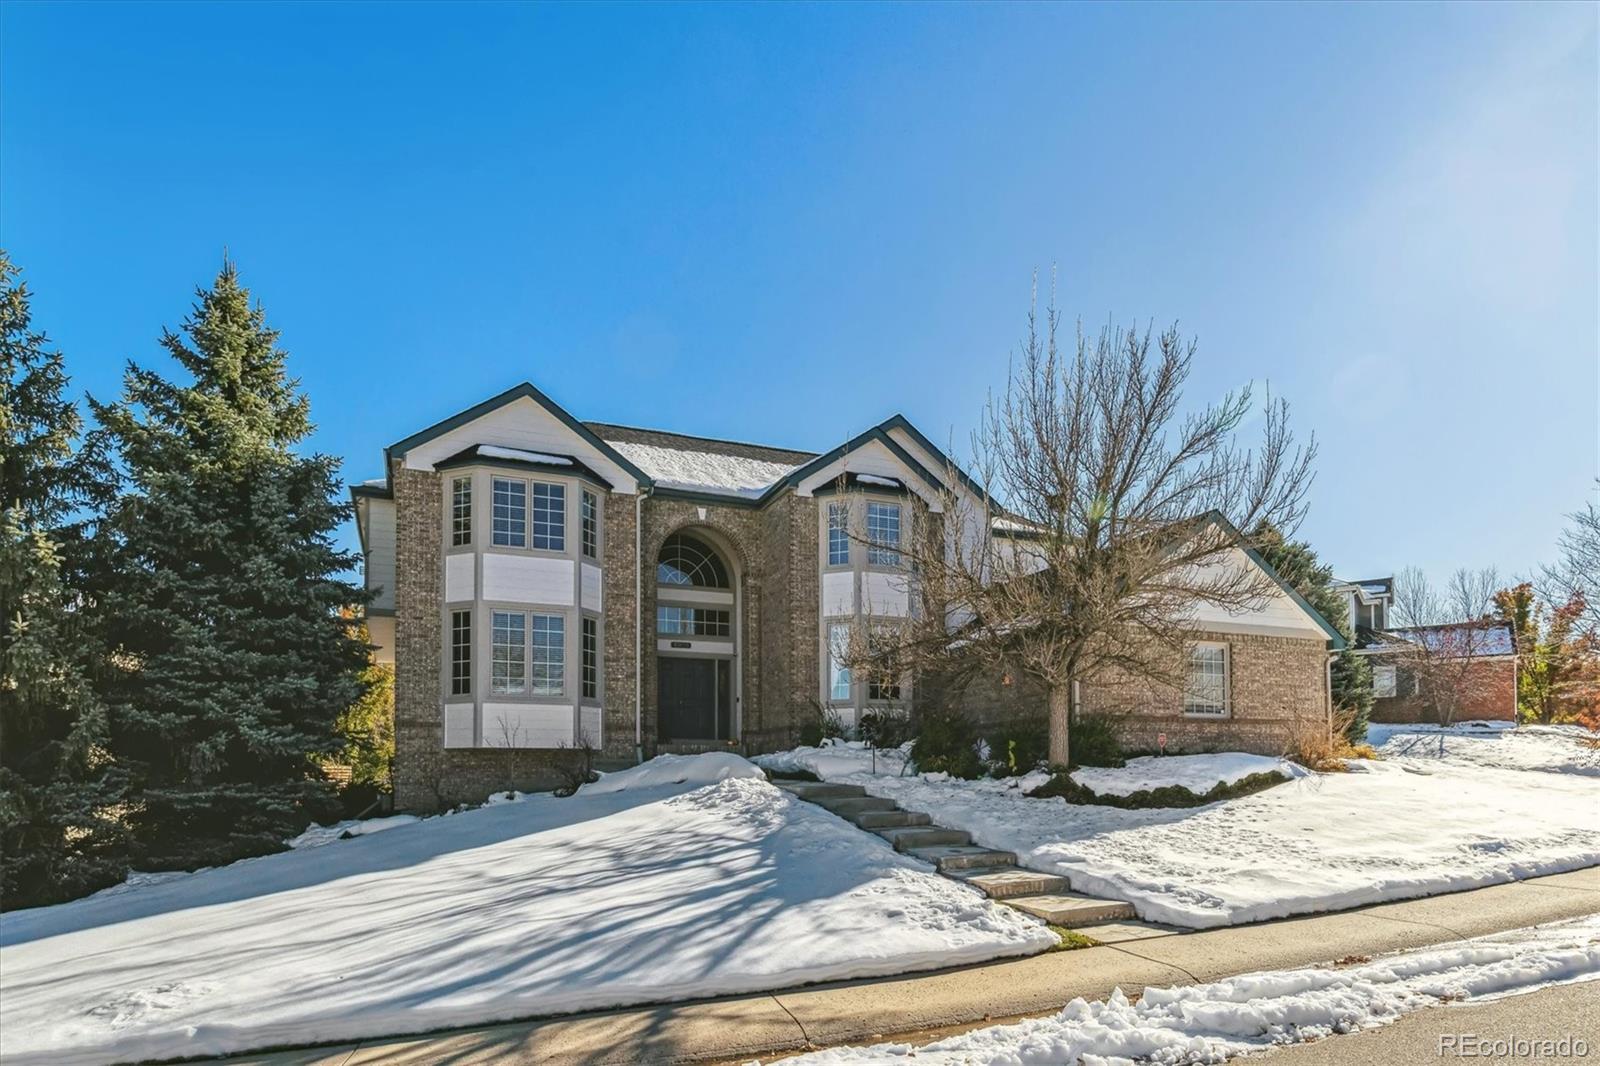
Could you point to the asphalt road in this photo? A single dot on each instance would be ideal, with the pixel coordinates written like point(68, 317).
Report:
point(1468, 1032)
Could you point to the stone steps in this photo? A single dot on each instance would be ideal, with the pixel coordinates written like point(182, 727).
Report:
point(994, 873)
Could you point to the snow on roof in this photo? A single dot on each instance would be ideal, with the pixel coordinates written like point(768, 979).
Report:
point(375, 483)
point(1467, 639)
point(701, 471)
point(494, 451)
point(873, 479)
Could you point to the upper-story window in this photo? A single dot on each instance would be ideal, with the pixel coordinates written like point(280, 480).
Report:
point(510, 512)
point(1208, 680)
point(460, 511)
point(589, 515)
point(883, 534)
point(549, 517)
point(838, 534)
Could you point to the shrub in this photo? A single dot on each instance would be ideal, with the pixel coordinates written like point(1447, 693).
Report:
point(1017, 746)
point(947, 742)
point(823, 724)
point(1093, 741)
point(1316, 746)
point(884, 728)
point(1061, 784)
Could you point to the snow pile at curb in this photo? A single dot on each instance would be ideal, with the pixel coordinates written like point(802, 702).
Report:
point(1197, 773)
point(517, 909)
point(705, 769)
point(1212, 1022)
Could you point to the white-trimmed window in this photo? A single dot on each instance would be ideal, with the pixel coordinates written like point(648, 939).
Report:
point(460, 511)
point(589, 516)
point(1383, 682)
point(838, 534)
point(508, 669)
point(549, 517)
point(460, 653)
point(590, 648)
point(549, 654)
point(883, 534)
point(1207, 693)
point(886, 680)
point(838, 672)
point(510, 500)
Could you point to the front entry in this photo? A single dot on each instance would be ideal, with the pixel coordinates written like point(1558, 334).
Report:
point(693, 699)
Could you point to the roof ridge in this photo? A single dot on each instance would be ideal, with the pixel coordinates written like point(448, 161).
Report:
point(598, 427)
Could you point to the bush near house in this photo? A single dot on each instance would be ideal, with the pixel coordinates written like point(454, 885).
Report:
point(1061, 784)
point(946, 742)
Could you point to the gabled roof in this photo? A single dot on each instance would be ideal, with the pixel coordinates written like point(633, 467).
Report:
point(703, 465)
point(1336, 641)
point(1472, 639)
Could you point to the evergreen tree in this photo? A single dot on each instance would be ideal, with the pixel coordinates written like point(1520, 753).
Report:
point(1297, 564)
point(225, 594)
point(59, 833)
point(366, 729)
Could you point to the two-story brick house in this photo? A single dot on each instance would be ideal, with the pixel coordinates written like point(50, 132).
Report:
point(539, 580)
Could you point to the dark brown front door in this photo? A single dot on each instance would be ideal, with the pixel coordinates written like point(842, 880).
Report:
point(692, 698)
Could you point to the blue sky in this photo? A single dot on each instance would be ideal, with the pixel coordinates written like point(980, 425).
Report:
point(784, 223)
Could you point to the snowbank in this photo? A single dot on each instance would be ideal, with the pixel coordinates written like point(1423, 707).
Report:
point(1197, 773)
point(705, 769)
point(319, 835)
point(1557, 749)
point(517, 909)
point(1212, 1022)
point(1321, 842)
point(836, 758)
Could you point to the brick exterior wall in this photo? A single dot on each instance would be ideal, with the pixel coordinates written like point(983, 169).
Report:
point(1275, 683)
point(1489, 695)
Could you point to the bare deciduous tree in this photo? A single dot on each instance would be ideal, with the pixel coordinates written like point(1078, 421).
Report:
point(1441, 637)
point(1102, 517)
point(1577, 573)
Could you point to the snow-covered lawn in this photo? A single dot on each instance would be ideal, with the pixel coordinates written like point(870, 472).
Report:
point(1391, 829)
point(1197, 773)
point(1212, 1022)
point(1563, 749)
point(652, 885)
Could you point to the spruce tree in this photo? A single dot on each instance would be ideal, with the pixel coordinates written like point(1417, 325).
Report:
point(60, 834)
point(225, 593)
point(1296, 562)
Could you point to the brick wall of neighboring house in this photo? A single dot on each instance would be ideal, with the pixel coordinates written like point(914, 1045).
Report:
point(427, 776)
point(1488, 694)
point(1275, 683)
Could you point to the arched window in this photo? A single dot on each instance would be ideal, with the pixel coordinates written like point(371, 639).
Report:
point(690, 562)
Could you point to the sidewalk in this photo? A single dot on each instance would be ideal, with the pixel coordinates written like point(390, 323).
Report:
point(871, 1011)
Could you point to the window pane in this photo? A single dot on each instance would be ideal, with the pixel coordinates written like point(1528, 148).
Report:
point(838, 534)
point(692, 621)
point(460, 653)
point(550, 517)
point(508, 664)
point(838, 673)
point(549, 655)
point(510, 512)
point(461, 511)
point(885, 684)
point(591, 649)
point(1208, 680)
point(590, 515)
point(883, 534)
point(1383, 681)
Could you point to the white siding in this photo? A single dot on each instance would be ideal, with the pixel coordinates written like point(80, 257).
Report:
point(459, 579)
point(1279, 615)
point(885, 595)
point(871, 458)
point(380, 550)
point(838, 593)
point(522, 725)
point(591, 586)
point(527, 579)
point(458, 725)
point(590, 722)
point(520, 424)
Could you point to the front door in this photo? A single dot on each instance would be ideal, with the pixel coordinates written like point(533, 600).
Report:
point(692, 697)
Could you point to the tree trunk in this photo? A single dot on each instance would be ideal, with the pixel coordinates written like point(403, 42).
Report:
point(1060, 713)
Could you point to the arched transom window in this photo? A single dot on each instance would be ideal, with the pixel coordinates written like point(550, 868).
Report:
point(690, 562)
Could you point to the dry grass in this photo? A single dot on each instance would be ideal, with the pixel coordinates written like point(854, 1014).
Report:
point(1315, 746)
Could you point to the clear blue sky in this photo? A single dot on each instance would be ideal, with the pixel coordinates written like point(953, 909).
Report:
point(784, 223)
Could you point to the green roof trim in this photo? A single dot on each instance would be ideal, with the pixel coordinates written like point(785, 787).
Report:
point(876, 433)
point(1336, 641)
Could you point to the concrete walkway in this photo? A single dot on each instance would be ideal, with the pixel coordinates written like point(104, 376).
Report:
point(926, 1004)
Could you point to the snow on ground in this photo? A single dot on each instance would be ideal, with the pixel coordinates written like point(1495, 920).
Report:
point(1550, 748)
point(640, 894)
point(319, 835)
point(836, 758)
point(1320, 842)
point(705, 769)
point(1212, 1022)
point(1197, 773)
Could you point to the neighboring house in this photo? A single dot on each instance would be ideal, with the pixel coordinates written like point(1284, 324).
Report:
point(1473, 665)
point(540, 581)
